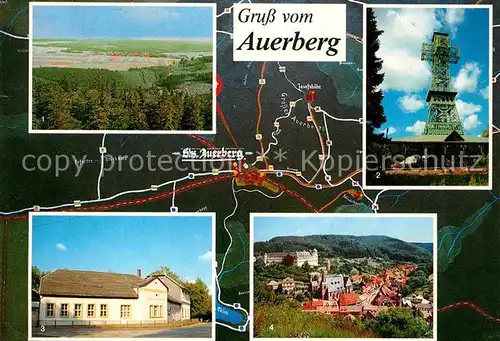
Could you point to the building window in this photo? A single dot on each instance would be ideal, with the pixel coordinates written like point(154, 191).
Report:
point(155, 311)
point(104, 310)
point(78, 310)
point(125, 311)
point(49, 312)
point(64, 310)
point(91, 310)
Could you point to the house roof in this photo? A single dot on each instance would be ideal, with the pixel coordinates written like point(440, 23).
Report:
point(77, 283)
point(349, 299)
point(173, 300)
point(161, 274)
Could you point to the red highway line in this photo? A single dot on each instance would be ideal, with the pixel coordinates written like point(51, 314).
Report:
point(226, 125)
point(294, 194)
point(157, 197)
point(472, 306)
point(202, 140)
point(153, 198)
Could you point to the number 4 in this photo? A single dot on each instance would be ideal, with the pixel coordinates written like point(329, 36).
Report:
point(272, 327)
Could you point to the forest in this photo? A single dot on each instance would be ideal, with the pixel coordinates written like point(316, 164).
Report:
point(330, 246)
point(138, 99)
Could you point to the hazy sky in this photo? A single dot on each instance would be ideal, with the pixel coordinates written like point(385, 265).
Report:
point(120, 22)
point(407, 229)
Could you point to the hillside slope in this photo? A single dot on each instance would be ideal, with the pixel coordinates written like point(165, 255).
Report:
point(348, 247)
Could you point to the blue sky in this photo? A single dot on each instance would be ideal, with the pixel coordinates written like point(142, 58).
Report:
point(407, 229)
point(121, 22)
point(124, 244)
point(407, 78)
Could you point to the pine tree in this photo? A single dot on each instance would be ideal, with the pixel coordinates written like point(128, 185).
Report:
point(374, 77)
point(375, 116)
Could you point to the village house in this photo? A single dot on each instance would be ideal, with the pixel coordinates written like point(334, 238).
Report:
point(274, 285)
point(288, 285)
point(301, 286)
point(333, 285)
point(86, 297)
point(297, 258)
point(178, 298)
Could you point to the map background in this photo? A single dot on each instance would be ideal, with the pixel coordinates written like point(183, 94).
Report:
point(470, 276)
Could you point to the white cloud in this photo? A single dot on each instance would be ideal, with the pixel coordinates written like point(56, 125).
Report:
point(400, 45)
point(466, 108)
point(404, 31)
point(453, 18)
point(390, 130)
point(417, 128)
point(61, 246)
point(469, 114)
point(411, 103)
point(206, 256)
point(485, 92)
point(467, 78)
point(471, 122)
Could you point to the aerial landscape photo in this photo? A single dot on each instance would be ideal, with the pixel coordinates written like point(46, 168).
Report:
point(122, 68)
point(344, 277)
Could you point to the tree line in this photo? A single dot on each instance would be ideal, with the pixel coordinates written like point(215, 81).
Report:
point(102, 100)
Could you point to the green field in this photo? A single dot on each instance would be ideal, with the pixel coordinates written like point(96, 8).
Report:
point(285, 322)
point(160, 47)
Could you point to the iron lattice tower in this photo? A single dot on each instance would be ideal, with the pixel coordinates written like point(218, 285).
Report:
point(442, 115)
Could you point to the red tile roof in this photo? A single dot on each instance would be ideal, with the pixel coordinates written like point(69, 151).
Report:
point(349, 299)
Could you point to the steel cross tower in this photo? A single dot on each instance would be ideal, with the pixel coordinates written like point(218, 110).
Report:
point(442, 115)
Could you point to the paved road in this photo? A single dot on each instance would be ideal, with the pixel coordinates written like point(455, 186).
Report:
point(201, 330)
point(197, 331)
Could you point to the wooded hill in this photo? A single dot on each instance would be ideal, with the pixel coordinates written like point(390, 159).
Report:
point(330, 246)
point(137, 99)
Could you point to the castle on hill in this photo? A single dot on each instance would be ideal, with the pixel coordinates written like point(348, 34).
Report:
point(297, 258)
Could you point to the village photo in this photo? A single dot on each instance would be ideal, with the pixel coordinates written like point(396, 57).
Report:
point(427, 103)
point(121, 275)
point(343, 276)
point(122, 68)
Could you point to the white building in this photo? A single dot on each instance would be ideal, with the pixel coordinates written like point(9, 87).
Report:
point(178, 299)
point(297, 258)
point(87, 297)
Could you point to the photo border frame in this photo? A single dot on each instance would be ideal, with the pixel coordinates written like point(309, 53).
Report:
point(122, 214)
point(490, 97)
point(434, 218)
point(33, 4)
